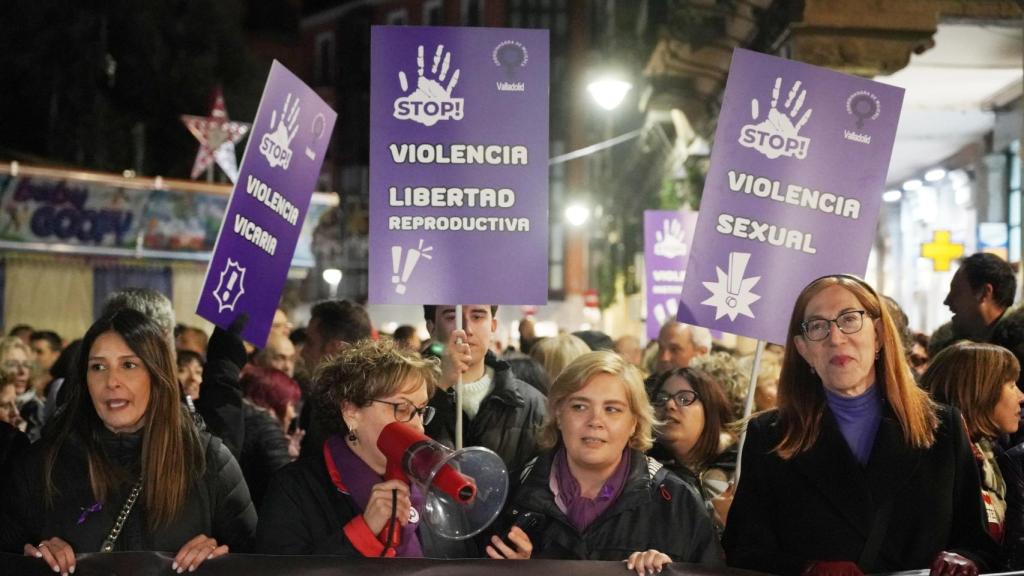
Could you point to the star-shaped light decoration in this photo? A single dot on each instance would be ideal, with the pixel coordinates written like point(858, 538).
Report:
point(217, 136)
point(732, 295)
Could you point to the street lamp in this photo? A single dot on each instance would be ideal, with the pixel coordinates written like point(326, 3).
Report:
point(333, 277)
point(609, 91)
point(577, 214)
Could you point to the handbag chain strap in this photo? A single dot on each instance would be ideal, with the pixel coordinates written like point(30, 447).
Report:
point(108, 543)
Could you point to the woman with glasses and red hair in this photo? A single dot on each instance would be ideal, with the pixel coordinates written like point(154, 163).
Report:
point(857, 470)
point(338, 502)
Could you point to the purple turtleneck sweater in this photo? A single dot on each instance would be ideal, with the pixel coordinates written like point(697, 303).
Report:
point(858, 419)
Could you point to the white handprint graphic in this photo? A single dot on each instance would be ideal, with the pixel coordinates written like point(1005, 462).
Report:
point(432, 99)
point(668, 242)
point(777, 135)
point(276, 145)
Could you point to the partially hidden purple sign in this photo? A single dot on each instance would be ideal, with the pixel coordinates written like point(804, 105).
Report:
point(792, 193)
point(264, 217)
point(458, 166)
point(667, 238)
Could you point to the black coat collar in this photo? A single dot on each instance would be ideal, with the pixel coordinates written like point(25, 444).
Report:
point(854, 490)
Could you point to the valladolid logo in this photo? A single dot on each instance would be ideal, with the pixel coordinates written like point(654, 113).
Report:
point(778, 134)
point(430, 101)
point(863, 106)
point(510, 56)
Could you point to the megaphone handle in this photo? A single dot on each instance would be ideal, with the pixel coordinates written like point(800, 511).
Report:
point(391, 522)
point(458, 387)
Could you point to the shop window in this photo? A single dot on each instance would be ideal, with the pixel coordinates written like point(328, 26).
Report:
point(1014, 199)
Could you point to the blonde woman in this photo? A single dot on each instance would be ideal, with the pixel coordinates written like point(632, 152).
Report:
point(555, 353)
point(593, 494)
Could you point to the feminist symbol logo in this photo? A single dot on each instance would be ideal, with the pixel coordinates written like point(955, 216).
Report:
point(510, 55)
point(864, 106)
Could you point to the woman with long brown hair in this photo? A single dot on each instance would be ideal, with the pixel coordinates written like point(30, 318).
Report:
point(123, 467)
point(857, 471)
point(981, 380)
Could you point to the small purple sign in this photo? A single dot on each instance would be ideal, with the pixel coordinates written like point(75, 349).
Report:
point(667, 238)
point(792, 193)
point(279, 169)
point(458, 166)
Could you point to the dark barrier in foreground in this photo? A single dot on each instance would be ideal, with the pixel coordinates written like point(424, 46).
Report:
point(153, 563)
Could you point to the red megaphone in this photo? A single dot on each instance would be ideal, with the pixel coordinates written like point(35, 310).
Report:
point(411, 454)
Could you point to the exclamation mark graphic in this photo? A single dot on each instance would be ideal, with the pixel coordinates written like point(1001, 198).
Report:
point(396, 263)
point(412, 257)
point(230, 287)
point(737, 266)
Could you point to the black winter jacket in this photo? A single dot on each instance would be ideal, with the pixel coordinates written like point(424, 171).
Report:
point(220, 402)
point(304, 513)
point(217, 505)
point(821, 504)
point(253, 436)
point(1011, 465)
point(264, 449)
point(656, 509)
point(507, 422)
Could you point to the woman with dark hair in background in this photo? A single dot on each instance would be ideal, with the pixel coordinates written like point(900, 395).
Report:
point(857, 471)
point(695, 414)
point(981, 380)
point(123, 467)
point(190, 373)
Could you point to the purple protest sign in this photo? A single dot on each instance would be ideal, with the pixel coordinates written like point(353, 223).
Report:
point(279, 169)
point(667, 238)
point(792, 193)
point(458, 166)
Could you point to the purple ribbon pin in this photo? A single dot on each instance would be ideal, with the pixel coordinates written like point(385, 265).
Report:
point(86, 511)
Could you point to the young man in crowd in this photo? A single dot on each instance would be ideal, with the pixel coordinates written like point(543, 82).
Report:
point(500, 412)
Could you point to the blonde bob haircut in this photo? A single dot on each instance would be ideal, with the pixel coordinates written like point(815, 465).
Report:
point(802, 397)
point(578, 374)
point(557, 352)
point(971, 376)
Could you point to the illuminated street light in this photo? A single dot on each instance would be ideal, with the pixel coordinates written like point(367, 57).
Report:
point(935, 174)
point(609, 92)
point(892, 196)
point(577, 214)
point(333, 277)
point(911, 185)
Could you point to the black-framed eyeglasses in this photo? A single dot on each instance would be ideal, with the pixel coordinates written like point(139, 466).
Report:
point(681, 398)
point(849, 322)
point(405, 411)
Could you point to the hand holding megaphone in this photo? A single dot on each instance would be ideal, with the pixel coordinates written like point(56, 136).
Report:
point(465, 489)
point(411, 454)
point(378, 507)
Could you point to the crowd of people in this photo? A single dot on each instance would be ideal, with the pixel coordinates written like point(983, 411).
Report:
point(871, 448)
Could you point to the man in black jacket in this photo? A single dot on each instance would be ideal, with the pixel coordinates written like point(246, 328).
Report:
point(500, 412)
